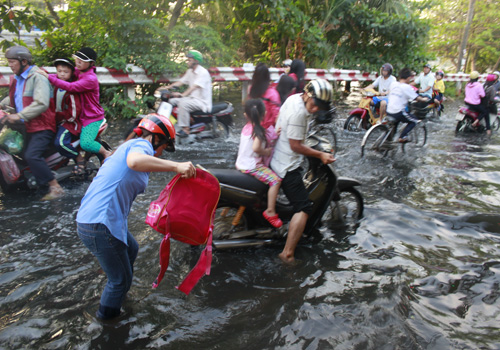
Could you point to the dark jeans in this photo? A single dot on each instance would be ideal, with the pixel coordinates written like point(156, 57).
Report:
point(483, 113)
point(38, 143)
point(405, 118)
point(116, 259)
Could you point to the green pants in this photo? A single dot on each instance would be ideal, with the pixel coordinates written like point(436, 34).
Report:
point(88, 135)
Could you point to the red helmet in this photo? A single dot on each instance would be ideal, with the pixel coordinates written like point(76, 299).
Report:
point(159, 125)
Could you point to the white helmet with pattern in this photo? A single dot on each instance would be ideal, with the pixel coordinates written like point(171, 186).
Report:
point(321, 90)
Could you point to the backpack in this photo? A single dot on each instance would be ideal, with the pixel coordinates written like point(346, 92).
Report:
point(185, 211)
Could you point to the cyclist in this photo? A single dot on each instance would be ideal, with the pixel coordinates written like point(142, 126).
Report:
point(400, 93)
point(289, 151)
point(197, 97)
point(383, 83)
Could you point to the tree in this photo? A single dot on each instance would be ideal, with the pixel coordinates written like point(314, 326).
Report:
point(450, 19)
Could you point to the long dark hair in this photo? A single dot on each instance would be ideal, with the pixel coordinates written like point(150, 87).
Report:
point(285, 86)
point(260, 81)
point(255, 111)
point(299, 68)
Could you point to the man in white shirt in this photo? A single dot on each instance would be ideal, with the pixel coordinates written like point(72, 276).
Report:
point(289, 150)
point(197, 97)
point(383, 83)
point(399, 97)
point(426, 80)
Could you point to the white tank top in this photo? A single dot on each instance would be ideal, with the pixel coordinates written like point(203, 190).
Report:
point(247, 158)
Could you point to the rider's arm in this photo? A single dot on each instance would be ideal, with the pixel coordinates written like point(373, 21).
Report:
point(299, 147)
point(176, 84)
point(146, 163)
point(41, 98)
point(261, 151)
point(190, 90)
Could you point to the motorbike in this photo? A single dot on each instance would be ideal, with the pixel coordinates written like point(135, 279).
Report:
point(238, 222)
point(15, 172)
point(466, 117)
point(366, 115)
point(214, 124)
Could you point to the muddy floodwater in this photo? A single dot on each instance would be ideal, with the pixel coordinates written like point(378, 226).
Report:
point(421, 270)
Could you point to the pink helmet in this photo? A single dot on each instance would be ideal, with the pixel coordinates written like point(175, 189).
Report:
point(491, 77)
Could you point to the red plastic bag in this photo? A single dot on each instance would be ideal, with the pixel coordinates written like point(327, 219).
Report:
point(9, 168)
point(185, 211)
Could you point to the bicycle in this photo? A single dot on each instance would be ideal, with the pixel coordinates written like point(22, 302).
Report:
point(379, 138)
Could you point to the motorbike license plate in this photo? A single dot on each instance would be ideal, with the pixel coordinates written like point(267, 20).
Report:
point(459, 117)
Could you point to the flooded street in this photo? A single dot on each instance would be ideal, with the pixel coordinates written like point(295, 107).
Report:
point(422, 270)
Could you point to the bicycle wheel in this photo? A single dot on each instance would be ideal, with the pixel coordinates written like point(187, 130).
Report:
point(418, 136)
point(327, 133)
point(375, 140)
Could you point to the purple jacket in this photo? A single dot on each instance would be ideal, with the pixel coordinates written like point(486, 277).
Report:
point(87, 86)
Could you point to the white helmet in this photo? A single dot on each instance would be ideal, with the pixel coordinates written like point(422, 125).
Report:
point(320, 89)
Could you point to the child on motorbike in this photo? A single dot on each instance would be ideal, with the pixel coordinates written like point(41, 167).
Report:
point(474, 92)
point(68, 109)
point(439, 89)
point(87, 86)
point(251, 150)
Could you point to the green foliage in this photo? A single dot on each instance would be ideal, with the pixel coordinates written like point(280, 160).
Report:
point(14, 19)
point(483, 48)
point(117, 105)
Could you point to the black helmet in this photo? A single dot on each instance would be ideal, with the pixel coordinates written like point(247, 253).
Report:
point(19, 53)
point(64, 62)
point(86, 54)
point(387, 67)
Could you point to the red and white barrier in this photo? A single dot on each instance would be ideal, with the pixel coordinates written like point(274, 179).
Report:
point(135, 75)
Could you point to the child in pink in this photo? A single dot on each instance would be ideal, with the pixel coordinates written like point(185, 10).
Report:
point(252, 149)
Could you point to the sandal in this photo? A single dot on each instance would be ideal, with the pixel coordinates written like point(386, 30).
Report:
point(275, 221)
point(79, 169)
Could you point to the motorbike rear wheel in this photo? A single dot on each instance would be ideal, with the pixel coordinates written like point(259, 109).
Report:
point(223, 227)
point(221, 130)
point(354, 123)
point(346, 212)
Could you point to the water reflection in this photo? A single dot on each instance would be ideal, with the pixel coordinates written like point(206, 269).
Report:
point(421, 271)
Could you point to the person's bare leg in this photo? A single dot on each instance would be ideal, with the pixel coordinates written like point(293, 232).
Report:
point(383, 107)
point(104, 152)
point(295, 230)
point(272, 194)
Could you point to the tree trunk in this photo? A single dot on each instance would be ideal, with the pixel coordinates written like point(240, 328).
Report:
point(496, 64)
point(470, 16)
point(176, 13)
point(52, 12)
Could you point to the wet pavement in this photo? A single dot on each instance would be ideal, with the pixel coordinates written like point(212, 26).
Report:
point(420, 271)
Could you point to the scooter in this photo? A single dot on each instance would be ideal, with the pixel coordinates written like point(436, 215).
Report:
point(214, 124)
point(466, 117)
point(366, 115)
point(239, 222)
point(15, 172)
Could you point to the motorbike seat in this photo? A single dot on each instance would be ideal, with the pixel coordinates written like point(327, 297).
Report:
point(216, 108)
point(236, 178)
point(467, 111)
